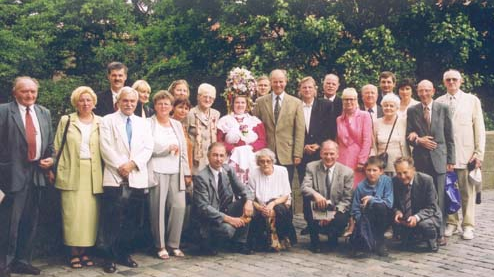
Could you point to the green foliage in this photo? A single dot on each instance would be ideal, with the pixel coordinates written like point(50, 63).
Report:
point(201, 40)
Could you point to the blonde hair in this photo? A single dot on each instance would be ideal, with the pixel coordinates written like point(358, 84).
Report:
point(349, 92)
point(175, 83)
point(141, 85)
point(76, 95)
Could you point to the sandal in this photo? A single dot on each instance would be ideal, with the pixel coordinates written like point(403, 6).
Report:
point(86, 261)
point(177, 252)
point(163, 254)
point(75, 262)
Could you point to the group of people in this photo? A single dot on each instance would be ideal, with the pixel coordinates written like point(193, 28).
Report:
point(229, 178)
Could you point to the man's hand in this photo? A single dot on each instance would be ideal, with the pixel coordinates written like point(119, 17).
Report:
point(188, 180)
point(173, 149)
point(411, 222)
point(450, 167)
point(46, 163)
point(324, 222)
point(365, 200)
point(311, 148)
point(321, 202)
point(398, 217)
point(125, 169)
point(360, 167)
point(427, 142)
point(412, 137)
point(248, 208)
point(296, 160)
point(236, 222)
point(478, 162)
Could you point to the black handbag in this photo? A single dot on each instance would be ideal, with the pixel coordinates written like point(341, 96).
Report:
point(384, 155)
point(64, 140)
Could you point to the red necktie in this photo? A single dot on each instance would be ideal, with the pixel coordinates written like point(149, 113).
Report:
point(30, 136)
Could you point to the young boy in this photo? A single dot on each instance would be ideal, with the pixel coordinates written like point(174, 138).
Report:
point(374, 195)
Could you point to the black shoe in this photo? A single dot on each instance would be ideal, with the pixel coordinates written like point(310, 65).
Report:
point(109, 267)
point(243, 248)
point(305, 231)
point(381, 250)
point(127, 261)
point(332, 241)
point(207, 248)
point(315, 248)
point(5, 272)
point(23, 268)
point(433, 247)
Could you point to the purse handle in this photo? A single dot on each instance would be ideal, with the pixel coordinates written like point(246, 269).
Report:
point(390, 133)
point(64, 140)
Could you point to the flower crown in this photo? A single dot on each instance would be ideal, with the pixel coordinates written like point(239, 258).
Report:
point(240, 81)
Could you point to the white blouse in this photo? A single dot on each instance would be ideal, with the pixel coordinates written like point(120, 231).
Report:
point(274, 186)
point(85, 151)
point(165, 162)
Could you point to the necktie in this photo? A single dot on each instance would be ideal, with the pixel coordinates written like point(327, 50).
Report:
point(328, 184)
point(115, 106)
point(225, 199)
point(371, 111)
point(452, 104)
point(277, 109)
point(30, 136)
point(408, 203)
point(128, 128)
point(427, 116)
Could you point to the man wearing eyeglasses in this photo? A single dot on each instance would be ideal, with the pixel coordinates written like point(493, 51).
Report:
point(469, 137)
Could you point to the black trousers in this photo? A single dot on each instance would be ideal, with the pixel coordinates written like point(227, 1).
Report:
point(425, 228)
point(380, 219)
point(22, 224)
point(334, 229)
point(283, 222)
point(117, 228)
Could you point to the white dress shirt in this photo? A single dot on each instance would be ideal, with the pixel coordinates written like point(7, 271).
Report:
point(307, 113)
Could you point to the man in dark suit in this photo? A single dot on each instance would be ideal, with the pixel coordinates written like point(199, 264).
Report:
point(369, 101)
point(430, 131)
point(107, 100)
point(283, 120)
point(222, 204)
point(415, 205)
point(331, 84)
point(328, 184)
point(319, 126)
point(26, 150)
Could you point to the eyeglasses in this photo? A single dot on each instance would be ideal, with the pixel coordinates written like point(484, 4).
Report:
point(349, 99)
point(451, 79)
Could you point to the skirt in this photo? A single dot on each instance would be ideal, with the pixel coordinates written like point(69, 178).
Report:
point(80, 211)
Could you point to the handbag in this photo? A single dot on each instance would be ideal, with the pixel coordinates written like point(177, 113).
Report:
point(384, 155)
point(453, 198)
point(64, 140)
point(362, 238)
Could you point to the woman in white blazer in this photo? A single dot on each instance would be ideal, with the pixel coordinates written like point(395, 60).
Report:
point(169, 171)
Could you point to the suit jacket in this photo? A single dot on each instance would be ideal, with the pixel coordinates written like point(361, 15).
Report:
point(341, 184)
point(424, 198)
point(13, 147)
point(105, 103)
point(286, 138)
point(322, 126)
point(68, 171)
point(115, 149)
point(148, 111)
point(469, 128)
point(206, 202)
point(442, 131)
point(182, 146)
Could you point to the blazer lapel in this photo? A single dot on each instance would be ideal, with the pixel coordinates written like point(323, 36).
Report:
point(43, 126)
point(434, 117)
point(212, 184)
point(16, 116)
point(321, 179)
point(269, 107)
point(122, 131)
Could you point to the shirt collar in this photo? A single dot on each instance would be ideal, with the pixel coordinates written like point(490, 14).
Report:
point(23, 108)
point(457, 95)
point(124, 116)
point(281, 96)
point(430, 106)
point(309, 105)
point(215, 172)
point(331, 169)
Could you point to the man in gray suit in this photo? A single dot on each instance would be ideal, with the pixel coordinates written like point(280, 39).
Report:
point(26, 149)
point(222, 204)
point(430, 131)
point(415, 204)
point(328, 184)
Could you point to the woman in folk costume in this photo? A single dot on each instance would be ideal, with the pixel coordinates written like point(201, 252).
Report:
point(242, 133)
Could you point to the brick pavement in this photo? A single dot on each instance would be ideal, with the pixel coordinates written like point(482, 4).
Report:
point(459, 258)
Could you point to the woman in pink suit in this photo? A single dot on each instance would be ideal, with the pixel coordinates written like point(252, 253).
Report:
point(354, 135)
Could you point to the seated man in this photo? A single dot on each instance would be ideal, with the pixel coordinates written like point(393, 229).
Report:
point(374, 197)
point(221, 204)
point(415, 207)
point(329, 185)
point(271, 227)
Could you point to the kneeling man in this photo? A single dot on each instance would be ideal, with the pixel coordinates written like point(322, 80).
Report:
point(328, 184)
point(415, 204)
point(222, 203)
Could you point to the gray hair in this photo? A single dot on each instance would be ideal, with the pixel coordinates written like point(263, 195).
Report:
point(266, 152)
point(391, 97)
point(127, 90)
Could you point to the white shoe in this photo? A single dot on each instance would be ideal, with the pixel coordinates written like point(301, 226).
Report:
point(468, 233)
point(450, 230)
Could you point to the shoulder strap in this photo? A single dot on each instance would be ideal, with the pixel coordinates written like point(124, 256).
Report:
point(390, 133)
point(64, 140)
